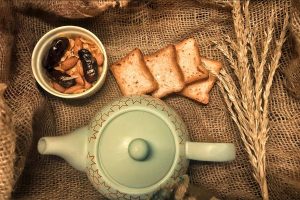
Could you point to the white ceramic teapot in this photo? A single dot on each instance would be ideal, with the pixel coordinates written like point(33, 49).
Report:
point(133, 147)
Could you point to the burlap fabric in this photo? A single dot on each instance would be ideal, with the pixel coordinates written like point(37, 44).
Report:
point(148, 25)
point(7, 135)
point(7, 153)
point(292, 72)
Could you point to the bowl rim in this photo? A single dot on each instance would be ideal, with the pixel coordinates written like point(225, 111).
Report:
point(37, 68)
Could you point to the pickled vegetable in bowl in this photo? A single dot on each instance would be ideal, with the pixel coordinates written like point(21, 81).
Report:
point(73, 64)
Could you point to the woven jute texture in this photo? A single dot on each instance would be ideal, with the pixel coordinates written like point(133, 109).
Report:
point(292, 72)
point(7, 134)
point(148, 25)
point(7, 148)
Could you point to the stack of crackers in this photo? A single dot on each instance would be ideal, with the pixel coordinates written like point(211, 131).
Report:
point(174, 69)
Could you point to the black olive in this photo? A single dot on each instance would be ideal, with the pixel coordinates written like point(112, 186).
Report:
point(90, 66)
point(56, 51)
point(62, 78)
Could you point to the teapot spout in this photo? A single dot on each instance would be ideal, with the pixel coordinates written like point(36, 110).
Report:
point(71, 147)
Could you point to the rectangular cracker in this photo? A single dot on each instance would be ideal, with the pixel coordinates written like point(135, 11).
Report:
point(132, 75)
point(188, 57)
point(164, 67)
point(199, 91)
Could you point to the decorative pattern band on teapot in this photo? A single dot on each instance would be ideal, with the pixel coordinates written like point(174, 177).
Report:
point(96, 175)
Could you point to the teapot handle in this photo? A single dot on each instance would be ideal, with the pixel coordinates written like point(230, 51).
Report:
point(215, 152)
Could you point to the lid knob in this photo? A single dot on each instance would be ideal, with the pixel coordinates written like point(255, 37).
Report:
point(139, 149)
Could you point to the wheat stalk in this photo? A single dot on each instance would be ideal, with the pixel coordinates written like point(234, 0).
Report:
point(248, 105)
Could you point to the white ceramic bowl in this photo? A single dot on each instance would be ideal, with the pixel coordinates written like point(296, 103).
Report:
point(43, 46)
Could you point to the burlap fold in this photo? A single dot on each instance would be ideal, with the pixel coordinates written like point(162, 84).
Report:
point(292, 72)
point(149, 25)
point(7, 134)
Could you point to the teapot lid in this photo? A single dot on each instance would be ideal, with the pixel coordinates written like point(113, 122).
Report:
point(136, 148)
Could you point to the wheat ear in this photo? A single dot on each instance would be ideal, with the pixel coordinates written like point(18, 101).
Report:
point(248, 105)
